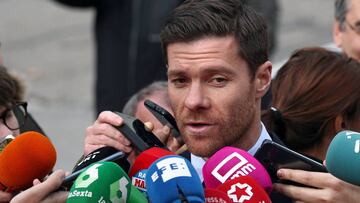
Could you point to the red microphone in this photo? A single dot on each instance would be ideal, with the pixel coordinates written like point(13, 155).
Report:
point(146, 158)
point(138, 170)
point(244, 189)
point(29, 156)
point(213, 195)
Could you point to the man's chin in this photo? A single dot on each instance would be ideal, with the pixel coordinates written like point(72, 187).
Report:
point(202, 150)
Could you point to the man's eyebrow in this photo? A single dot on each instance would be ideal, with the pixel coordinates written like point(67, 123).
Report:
point(219, 70)
point(175, 72)
point(209, 70)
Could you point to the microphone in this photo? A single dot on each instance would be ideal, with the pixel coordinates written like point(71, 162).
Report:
point(142, 163)
point(99, 155)
point(343, 157)
point(29, 156)
point(213, 195)
point(229, 163)
point(138, 181)
point(146, 158)
point(104, 182)
point(176, 179)
point(244, 189)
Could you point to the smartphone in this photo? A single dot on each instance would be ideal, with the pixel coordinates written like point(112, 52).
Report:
point(274, 156)
point(134, 130)
point(165, 118)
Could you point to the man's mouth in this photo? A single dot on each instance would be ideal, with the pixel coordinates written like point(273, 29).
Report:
point(198, 127)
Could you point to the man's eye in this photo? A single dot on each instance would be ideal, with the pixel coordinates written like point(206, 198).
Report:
point(218, 81)
point(179, 81)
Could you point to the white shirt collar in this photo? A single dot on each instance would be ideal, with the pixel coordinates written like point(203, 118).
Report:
point(199, 162)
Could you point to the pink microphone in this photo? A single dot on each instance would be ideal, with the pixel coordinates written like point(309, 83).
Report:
point(230, 163)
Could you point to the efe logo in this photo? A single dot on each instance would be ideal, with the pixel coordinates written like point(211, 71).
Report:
point(170, 168)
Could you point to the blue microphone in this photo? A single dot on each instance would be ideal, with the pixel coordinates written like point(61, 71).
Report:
point(172, 179)
point(343, 157)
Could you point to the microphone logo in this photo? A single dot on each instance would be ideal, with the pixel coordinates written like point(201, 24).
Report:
point(171, 168)
point(357, 142)
point(240, 192)
point(357, 146)
point(238, 165)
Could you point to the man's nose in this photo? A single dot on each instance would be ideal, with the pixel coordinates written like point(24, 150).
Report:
point(196, 97)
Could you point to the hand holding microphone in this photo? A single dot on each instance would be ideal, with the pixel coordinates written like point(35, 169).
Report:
point(324, 187)
point(342, 161)
point(44, 192)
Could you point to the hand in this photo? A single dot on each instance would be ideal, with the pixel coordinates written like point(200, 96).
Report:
point(164, 136)
point(326, 187)
point(5, 196)
point(103, 133)
point(44, 192)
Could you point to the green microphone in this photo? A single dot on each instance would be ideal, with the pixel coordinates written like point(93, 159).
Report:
point(104, 182)
point(343, 157)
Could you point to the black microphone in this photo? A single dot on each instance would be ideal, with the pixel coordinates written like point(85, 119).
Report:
point(101, 154)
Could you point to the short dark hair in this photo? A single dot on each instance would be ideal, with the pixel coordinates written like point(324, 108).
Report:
point(195, 19)
point(341, 9)
point(11, 89)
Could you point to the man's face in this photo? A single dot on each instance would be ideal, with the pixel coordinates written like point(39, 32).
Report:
point(143, 114)
point(348, 39)
point(211, 93)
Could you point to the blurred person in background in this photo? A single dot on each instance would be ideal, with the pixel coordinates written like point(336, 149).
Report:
point(11, 93)
point(315, 96)
point(14, 117)
point(158, 93)
point(346, 31)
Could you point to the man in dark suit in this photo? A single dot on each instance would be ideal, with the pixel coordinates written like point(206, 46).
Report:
point(217, 58)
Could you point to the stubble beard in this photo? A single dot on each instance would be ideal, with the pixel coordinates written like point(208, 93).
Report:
point(231, 131)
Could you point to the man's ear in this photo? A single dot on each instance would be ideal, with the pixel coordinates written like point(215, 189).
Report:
point(337, 34)
point(263, 79)
point(340, 124)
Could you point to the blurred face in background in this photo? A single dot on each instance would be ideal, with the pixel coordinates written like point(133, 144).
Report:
point(143, 114)
point(348, 38)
